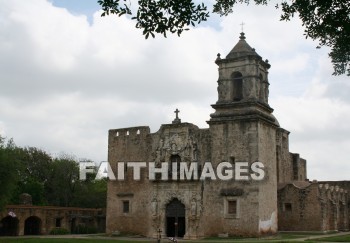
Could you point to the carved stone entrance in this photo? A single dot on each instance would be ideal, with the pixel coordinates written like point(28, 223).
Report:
point(175, 219)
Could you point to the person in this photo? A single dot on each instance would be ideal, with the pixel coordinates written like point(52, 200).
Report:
point(173, 239)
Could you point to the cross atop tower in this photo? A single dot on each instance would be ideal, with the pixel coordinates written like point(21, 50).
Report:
point(242, 25)
point(177, 120)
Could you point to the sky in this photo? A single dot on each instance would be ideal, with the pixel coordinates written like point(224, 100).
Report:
point(67, 76)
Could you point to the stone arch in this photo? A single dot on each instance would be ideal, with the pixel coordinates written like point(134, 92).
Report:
point(175, 213)
point(237, 87)
point(174, 195)
point(9, 226)
point(32, 226)
point(341, 218)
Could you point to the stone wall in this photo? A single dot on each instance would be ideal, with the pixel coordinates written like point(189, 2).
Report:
point(242, 129)
point(47, 217)
point(305, 206)
point(290, 166)
point(205, 201)
point(147, 198)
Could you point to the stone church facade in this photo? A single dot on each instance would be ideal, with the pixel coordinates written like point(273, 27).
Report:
point(242, 129)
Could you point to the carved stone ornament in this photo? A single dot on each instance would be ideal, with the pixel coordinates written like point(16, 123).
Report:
point(184, 146)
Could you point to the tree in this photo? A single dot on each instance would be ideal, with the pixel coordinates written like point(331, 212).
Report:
point(63, 180)
point(64, 188)
point(327, 21)
point(50, 181)
point(9, 170)
point(91, 194)
point(34, 165)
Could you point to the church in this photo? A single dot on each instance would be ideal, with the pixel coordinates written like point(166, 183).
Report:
point(242, 129)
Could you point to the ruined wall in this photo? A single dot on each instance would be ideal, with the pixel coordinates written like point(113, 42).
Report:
point(290, 167)
point(284, 162)
point(70, 218)
point(299, 207)
point(305, 206)
point(335, 202)
point(345, 185)
point(302, 171)
point(299, 167)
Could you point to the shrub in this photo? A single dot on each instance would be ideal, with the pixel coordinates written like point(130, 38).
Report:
point(83, 229)
point(59, 231)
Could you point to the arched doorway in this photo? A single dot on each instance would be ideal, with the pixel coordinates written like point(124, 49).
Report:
point(9, 226)
point(175, 219)
point(32, 226)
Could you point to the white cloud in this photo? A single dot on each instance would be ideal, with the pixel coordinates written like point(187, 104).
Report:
point(319, 123)
point(65, 82)
point(47, 35)
point(2, 129)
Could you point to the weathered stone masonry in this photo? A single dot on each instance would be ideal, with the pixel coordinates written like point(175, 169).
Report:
point(242, 128)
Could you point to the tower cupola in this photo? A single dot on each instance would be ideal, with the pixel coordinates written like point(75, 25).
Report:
point(243, 85)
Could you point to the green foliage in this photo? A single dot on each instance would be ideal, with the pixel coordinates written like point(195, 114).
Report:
point(50, 181)
point(327, 21)
point(9, 170)
point(59, 231)
point(225, 7)
point(69, 240)
point(64, 177)
point(37, 163)
point(159, 16)
point(97, 191)
point(34, 167)
point(83, 229)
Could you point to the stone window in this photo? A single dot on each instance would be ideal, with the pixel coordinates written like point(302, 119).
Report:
point(58, 222)
point(231, 207)
point(237, 86)
point(174, 159)
point(288, 207)
point(126, 206)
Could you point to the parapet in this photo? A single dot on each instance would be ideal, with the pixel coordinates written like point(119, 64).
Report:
point(131, 132)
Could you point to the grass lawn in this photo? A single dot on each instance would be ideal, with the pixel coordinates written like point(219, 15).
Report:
point(340, 238)
point(280, 237)
point(51, 240)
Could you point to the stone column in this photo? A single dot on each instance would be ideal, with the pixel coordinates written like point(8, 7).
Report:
point(21, 226)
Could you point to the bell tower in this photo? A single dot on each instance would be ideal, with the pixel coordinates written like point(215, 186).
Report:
point(243, 86)
point(243, 129)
